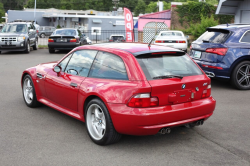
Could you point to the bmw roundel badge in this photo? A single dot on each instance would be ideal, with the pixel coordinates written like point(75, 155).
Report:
point(183, 86)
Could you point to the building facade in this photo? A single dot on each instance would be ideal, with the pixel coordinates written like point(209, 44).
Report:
point(239, 8)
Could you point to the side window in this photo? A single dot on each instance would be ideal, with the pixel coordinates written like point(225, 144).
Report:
point(64, 62)
point(246, 37)
point(81, 62)
point(108, 66)
point(47, 29)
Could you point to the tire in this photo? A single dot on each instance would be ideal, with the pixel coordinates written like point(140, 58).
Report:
point(240, 78)
point(42, 35)
point(27, 47)
point(0, 52)
point(51, 50)
point(98, 118)
point(36, 45)
point(29, 93)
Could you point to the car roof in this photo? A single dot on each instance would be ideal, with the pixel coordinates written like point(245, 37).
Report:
point(171, 31)
point(230, 26)
point(66, 29)
point(134, 48)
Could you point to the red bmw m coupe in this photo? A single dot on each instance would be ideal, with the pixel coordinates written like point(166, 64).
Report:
point(123, 88)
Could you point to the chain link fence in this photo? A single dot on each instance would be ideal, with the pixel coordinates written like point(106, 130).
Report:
point(106, 36)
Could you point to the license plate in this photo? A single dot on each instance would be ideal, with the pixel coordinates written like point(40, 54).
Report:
point(61, 40)
point(197, 54)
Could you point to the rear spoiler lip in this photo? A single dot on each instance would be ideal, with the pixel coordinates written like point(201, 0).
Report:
point(218, 29)
point(178, 52)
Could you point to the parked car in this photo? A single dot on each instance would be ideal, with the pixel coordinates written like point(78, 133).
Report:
point(116, 38)
point(65, 39)
point(122, 88)
point(86, 40)
point(18, 36)
point(223, 52)
point(175, 39)
point(46, 31)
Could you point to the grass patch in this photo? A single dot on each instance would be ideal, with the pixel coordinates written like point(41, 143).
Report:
point(42, 46)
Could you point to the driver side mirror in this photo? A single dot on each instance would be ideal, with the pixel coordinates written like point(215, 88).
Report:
point(57, 69)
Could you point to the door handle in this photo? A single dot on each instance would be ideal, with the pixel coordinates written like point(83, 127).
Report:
point(73, 84)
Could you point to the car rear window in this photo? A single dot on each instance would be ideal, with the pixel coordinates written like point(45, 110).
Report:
point(167, 65)
point(214, 36)
point(171, 34)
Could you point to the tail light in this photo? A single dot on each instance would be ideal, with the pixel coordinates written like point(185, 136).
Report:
point(206, 92)
point(143, 100)
point(158, 41)
point(37, 31)
point(218, 51)
point(50, 40)
point(72, 40)
point(110, 40)
point(182, 41)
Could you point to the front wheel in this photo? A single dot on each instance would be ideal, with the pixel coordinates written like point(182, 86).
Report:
point(27, 47)
point(99, 124)
point(241, 76)
point(29, 93)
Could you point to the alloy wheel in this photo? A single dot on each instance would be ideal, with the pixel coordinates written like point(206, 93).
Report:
point(243, 75)
point(96, 122)
point(28, 90)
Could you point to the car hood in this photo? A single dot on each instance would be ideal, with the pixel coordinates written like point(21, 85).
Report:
point(12, 34)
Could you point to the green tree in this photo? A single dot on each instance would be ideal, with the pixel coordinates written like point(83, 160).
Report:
point(199, 28)
point(140, 7)
point(2, 13)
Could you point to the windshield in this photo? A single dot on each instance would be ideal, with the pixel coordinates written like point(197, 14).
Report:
point(65, 32)
point(171, 34)
point(168, 65)
point(20, 28)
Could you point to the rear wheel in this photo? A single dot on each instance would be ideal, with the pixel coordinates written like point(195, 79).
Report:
point(36, 45)
point(51, 50)
point(29, 94)
point(42, 35)
point(241, 76)
point(99, 124)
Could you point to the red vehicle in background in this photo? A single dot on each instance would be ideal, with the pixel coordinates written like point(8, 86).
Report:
point(123, 88)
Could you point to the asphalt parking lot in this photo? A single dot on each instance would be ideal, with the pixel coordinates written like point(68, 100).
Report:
point(44, 136)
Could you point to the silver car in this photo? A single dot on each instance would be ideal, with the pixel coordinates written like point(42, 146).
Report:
point(18, 36)
point(45, 31)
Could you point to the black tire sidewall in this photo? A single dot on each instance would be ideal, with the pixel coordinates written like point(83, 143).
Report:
point(107, 134)
point(234, 76)
point(27, 45)
point(35, 46)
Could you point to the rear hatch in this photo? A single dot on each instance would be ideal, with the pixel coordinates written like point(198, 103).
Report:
point(210, 46)
point(174, 77)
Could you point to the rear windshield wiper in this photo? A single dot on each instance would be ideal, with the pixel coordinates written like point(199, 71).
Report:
point(168, 76)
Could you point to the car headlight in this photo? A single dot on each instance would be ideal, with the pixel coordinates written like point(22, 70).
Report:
point(20, 38)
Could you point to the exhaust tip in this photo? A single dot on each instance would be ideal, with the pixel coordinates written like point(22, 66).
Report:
point(210, 74)
point(168, 130)
point(163, 131)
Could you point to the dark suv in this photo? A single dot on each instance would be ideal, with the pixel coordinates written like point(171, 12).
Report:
point(223, 52)
point(18, 36)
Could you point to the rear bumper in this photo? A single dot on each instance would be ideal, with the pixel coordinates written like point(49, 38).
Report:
point(217, 72)
point(63, 46)
point(148, 121)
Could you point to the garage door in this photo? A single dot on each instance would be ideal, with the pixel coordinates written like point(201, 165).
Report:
point(245, 14)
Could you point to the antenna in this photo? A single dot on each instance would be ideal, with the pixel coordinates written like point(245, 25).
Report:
point(149, 45)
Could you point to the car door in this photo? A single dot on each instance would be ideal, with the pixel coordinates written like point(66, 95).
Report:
point(62, 88)
point(31, 33)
